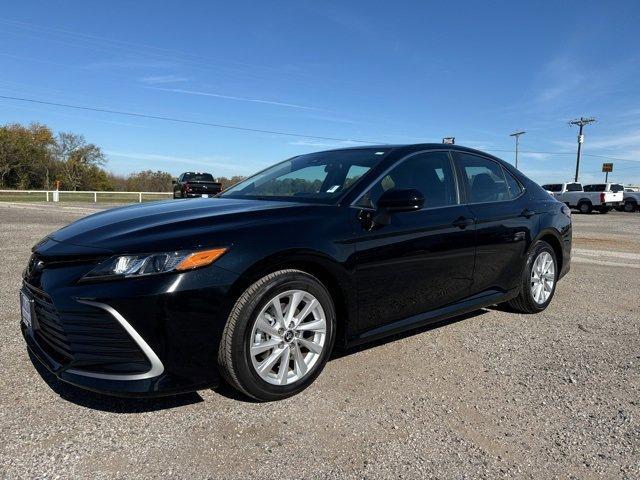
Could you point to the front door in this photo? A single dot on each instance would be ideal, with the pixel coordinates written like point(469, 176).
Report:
point(421, 260)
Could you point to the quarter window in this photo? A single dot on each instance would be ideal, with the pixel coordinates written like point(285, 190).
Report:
point(429, 173)
point(513, 185)
point(485, 179)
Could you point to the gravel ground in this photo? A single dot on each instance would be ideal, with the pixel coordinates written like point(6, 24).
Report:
point(490, 395)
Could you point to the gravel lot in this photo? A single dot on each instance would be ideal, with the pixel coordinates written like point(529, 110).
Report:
point(491, 395)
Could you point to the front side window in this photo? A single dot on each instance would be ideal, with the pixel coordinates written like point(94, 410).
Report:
point(616, 187)
point(485, 179)
point(574, 187)
point(321, 177)
point(430, 173)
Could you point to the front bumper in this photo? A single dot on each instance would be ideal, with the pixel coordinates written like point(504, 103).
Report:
point(176, 320)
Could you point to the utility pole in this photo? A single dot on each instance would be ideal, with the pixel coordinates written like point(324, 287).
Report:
point(517, 135)
point(581, 122)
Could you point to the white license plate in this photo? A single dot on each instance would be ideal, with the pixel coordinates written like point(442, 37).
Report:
point(25, 307)
point(204, 195)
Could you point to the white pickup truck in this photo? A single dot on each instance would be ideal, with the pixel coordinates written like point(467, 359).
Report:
point(597, 196)
point(631, 201)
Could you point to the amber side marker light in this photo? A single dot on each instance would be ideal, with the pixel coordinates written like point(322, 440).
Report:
point(200, 259)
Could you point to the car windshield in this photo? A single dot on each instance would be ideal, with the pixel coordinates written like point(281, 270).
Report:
point(320, 177)
point(198, 177)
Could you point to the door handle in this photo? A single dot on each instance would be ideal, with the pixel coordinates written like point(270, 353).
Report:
point(463, 222)
point(527, 213)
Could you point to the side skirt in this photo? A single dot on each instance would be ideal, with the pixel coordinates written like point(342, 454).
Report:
point(484, 299)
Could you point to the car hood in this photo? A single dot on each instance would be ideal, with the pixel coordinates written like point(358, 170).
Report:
point(170, 225)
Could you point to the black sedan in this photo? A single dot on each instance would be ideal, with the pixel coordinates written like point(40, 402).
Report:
point(257, 285)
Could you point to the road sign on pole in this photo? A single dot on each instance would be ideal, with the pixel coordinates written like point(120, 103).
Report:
point(606, 168)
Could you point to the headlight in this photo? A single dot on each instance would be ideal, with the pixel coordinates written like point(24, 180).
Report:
point(125, 266)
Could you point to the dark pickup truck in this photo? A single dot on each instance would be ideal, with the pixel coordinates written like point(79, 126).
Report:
point(196, 184)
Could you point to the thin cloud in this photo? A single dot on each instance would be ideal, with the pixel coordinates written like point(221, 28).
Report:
point(204, 161)
point(311, 143)
point(123, 64)
point(163, 79)
point(231, 97)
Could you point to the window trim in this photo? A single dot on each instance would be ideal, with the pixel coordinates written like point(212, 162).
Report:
point(466, 186)
point(371, 184)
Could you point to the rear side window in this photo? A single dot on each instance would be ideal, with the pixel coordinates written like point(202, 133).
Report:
point(598, 187)
point(515, 189)
point(616, 187)
point(485, 179)
point(574, 187)
point(553, 187)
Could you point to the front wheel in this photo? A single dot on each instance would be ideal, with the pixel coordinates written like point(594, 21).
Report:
point(630, 207)
point(278, 336)
point(538, 282)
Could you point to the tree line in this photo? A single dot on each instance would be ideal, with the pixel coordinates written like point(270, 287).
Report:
point(32, 157)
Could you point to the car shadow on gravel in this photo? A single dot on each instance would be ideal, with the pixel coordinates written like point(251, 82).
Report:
point(231, 393)
point(106, 403)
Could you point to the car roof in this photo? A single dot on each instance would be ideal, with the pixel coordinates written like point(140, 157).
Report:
point(409, 147)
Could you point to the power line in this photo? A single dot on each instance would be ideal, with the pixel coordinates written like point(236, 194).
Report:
point(181, 120)
point(257, 130)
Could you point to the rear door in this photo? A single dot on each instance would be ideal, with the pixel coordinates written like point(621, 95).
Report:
point(423, 259)
point(503, 221)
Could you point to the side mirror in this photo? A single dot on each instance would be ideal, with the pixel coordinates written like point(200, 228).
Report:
point(394, 201)
point(401, 200)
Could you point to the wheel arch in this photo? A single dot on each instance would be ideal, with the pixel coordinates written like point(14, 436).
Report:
point(552, 237)
point(328, 271)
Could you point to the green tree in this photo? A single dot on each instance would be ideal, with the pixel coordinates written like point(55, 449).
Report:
point(78, 159)
point(25, 155)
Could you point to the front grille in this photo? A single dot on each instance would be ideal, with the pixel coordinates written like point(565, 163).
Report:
point(91, 340)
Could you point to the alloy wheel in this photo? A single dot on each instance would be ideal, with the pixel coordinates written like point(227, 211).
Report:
point(543, 277)
point(288, 337)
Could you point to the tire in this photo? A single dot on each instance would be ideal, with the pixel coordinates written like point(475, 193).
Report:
point(630, 206)
point(604, 210)
point(585, 207)
point(242, 336)
point(525, 301)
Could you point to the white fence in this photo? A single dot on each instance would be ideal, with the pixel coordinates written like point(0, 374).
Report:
point(81, 195)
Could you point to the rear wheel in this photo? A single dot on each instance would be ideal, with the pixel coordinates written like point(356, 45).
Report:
point(630, 206)
point(538, 283)
point(278, 336)
point(585, 207)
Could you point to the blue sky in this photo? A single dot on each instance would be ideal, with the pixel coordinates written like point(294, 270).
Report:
point(387, 72)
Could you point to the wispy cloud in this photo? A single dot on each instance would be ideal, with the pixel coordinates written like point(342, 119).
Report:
point(163, 79)
point(219, 162)
point(131, 64)
point(312, 143)
point(232, 97)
